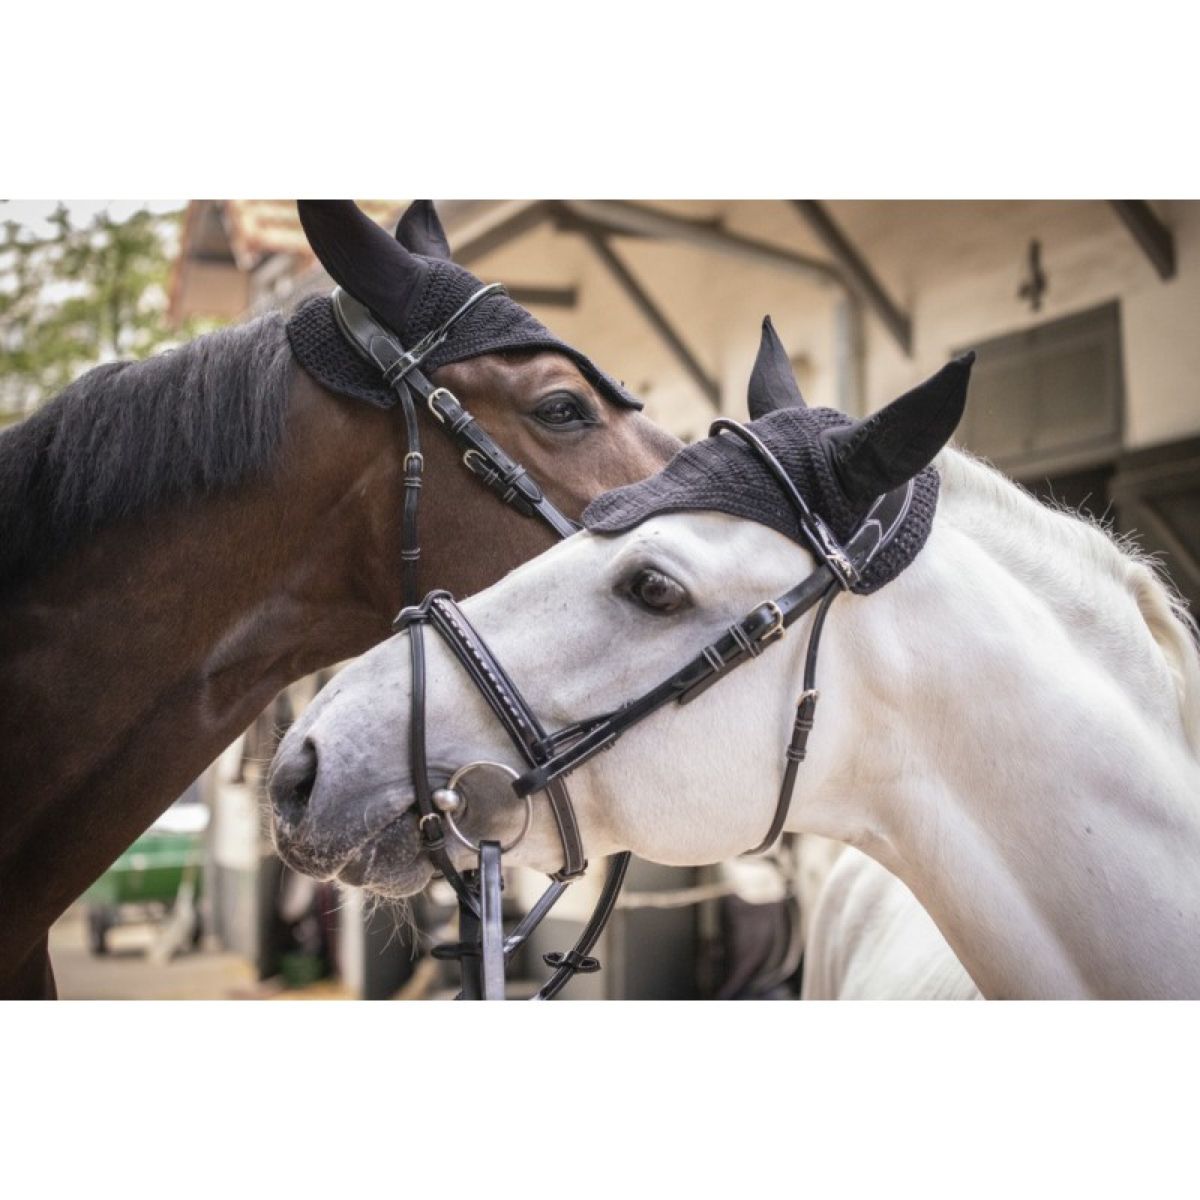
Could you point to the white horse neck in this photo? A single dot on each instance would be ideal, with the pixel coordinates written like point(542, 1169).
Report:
point(1042, 798)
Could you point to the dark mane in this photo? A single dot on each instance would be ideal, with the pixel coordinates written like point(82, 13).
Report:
point(129, 436)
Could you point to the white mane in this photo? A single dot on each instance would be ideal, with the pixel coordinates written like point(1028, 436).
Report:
point(1074, 561)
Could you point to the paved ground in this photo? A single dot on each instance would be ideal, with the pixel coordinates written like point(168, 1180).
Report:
point(130, 972)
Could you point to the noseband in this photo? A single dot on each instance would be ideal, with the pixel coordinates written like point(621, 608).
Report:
point(483, 951)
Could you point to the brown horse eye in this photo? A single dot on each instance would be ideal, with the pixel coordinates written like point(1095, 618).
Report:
point(562, 410)
point(657, 592)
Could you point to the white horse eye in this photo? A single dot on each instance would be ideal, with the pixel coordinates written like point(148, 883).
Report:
point(656, 592)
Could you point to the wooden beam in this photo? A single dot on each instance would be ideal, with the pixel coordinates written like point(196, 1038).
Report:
point(501, 233)
point(546, 297)
point(646, 306)
point(857, 273)
point(1156, 240)
point(623, 217)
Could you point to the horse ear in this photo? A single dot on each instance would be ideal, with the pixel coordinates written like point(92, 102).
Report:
point(420, 230)
point(772, 382)
point(887, 449)
point(360, 256)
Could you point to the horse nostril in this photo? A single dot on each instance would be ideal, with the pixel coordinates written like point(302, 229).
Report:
point(293, 782)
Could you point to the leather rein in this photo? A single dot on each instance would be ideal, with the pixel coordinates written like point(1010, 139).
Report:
point(483, 951)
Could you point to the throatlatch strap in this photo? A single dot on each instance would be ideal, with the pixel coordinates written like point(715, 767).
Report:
point(806, 709)
point(414, 468)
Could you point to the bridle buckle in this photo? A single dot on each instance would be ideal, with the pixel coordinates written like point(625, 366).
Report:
point(438, 415)
point(475, 462)
point(776, 629)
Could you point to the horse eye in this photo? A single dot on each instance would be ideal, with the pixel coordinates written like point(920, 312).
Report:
point(563, 410)
point(656, 592)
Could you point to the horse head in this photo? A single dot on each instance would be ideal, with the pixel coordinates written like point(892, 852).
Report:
point(569, 424)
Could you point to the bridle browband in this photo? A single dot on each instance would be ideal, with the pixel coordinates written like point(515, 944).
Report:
point(483, 951)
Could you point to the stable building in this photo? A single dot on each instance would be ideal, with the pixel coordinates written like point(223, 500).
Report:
point(1083, 314)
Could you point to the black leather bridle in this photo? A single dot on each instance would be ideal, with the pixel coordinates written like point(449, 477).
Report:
point(479, 950)
point(483, 950)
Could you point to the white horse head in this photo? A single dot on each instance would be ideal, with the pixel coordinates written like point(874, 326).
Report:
point(1011, 725)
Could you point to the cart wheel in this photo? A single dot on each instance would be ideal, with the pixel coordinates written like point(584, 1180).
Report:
point(99, 922)
point(197, 931)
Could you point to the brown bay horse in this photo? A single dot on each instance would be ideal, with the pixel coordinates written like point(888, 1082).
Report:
point(181, 538)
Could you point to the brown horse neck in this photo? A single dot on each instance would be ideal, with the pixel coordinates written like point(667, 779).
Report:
point(135, 659)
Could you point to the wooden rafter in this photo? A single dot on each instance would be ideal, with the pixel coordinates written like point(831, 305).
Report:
point(1155, 239)
point(857, 272)
point(645, 305)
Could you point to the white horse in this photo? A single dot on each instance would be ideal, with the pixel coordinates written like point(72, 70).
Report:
point(1011, 727)
point(868, 938)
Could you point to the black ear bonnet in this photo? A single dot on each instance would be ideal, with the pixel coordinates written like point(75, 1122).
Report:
point(721, 474)
point(497, 323)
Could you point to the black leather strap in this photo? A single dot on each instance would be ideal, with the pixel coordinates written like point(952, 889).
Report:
point(414, 469)
point(806, 709)
point(488, 462)
point(430, 823)
point(511, 709)
point(579, 957)
point(481, 455)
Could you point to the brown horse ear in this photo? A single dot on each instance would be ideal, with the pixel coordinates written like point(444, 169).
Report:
point(360, 256)
point(887, 449)
point(772, 382)
point(420, 230)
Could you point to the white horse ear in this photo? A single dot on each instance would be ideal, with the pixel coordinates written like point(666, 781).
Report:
point(887, 449)
point(772, 382)
point(420, 230)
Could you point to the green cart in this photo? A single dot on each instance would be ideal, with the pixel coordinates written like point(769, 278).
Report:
point(161, 873)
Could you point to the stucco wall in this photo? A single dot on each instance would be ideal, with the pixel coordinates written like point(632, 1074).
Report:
point(968, 294)
point(954, 266)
